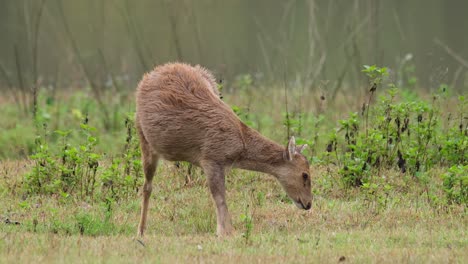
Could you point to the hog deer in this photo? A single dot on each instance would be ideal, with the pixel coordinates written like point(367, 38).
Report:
point(180, 117)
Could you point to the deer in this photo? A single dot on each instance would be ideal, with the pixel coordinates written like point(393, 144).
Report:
point(180, 117)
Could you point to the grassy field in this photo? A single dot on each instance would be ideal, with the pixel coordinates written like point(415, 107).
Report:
point(341, 225)
point(375, 200)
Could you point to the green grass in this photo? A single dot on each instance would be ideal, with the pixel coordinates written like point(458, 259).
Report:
point(409, 228)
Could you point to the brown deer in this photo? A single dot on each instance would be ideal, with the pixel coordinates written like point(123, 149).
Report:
point(180, 117)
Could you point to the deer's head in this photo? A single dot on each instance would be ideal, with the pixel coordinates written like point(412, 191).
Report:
point(294, 175)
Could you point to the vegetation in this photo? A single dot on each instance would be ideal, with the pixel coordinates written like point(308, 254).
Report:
point(390, 181)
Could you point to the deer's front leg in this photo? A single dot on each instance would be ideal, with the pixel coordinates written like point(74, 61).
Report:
point(215, 175)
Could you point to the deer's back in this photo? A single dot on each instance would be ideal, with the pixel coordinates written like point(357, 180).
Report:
point(182, 118)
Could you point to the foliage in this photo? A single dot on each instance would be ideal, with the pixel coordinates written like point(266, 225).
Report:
point(394, 130)
point(375, 74)
point(455, 184)
point(77, 169)
point(247, 222)
point(409, 136)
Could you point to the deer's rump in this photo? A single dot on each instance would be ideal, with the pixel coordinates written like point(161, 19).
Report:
point(181, 117)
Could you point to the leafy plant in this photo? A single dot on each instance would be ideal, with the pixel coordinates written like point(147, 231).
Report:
point(409, 136)
point(455, 184)
point(247, 222)
point(76, 169)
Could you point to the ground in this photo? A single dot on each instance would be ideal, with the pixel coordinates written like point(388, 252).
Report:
point(343, 225)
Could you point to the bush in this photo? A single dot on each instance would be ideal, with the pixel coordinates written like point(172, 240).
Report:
point(77, 169)
point(455, 184)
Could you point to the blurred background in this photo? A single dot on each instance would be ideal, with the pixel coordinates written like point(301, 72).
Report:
point(315, 43)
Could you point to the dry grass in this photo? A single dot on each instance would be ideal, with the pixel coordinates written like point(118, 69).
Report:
point(362, 246)
point(342, 224)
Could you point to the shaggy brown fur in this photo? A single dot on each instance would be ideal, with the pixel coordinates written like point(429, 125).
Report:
point(180, 117)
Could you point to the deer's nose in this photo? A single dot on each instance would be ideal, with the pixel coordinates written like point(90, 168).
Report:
point(308, 206)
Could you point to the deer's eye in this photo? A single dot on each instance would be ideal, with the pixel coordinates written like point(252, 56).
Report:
point(305, 176)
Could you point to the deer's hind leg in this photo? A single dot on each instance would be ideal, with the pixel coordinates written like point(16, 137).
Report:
point(150, 163)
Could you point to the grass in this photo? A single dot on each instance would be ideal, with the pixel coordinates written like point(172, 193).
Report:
point(341, 224)
point(366, 207)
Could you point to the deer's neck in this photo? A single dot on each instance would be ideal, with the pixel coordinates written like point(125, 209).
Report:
point(260, 154)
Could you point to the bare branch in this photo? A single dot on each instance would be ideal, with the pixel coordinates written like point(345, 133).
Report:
point(452, 53)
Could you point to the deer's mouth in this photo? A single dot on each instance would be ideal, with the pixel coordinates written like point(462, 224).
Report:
point(301, 205)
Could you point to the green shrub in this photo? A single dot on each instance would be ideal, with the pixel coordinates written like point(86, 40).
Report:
point(77, 169)
point(455, 184)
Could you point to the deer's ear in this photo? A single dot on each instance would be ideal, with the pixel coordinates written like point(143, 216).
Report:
point(301, 148)
point(291, 149)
